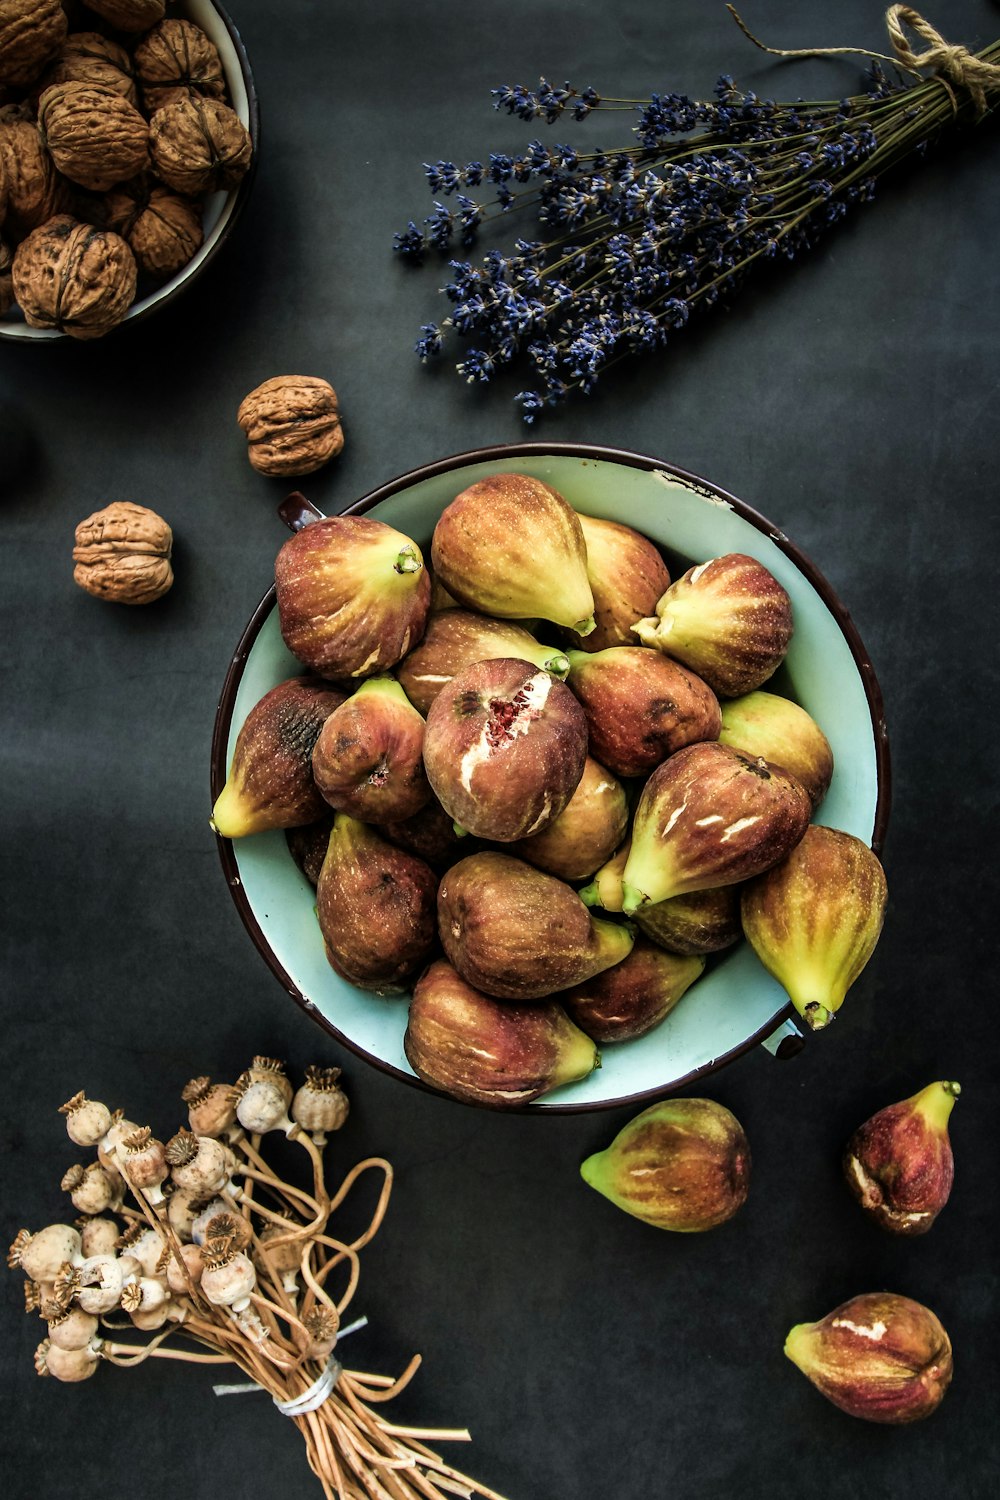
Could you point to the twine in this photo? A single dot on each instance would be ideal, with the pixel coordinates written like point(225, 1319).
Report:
point(952, 64)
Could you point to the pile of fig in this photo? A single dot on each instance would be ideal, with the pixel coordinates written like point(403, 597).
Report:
point(541, 788)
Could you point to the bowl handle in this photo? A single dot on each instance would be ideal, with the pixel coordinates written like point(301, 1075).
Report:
point(296, 511)
point(786, 1042)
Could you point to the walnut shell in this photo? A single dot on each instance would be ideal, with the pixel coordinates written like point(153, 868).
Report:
point(199, 146)
point(35, 190)
point(94, 136)
point(30, 32)
point(88, 57)
point(292, 425)
point(177, 60)
point(162, 229)
point(129, 15)
point(122, 553)
point(74, 277)
point(6, 281)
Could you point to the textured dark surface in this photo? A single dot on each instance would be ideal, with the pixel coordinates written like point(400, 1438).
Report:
point(853, 399)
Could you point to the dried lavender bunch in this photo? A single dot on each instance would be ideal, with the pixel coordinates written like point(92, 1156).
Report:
point(637, 239)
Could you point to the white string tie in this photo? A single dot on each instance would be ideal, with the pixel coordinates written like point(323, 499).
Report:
point(316, 1394)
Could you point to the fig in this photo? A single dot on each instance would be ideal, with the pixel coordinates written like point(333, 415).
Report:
point(518, 934)
point(511, 546)
point(430, 833)
point(353, 595)
point(627, 577)
point(270, 783)
point(631, 998)
point(376, 908)
point(605, 890)
point(814, 919)
point(698, 922)
point(585, 833)
point(368, 759)
point(682, 1164)
point(307, 845)
point(480, 1050)
point(880, 1356)
point(899, 1164)
point(504, 748)
point(640, 706)
point(710, 817)
point(455, 638)
point(782, 732)
point(728, 619)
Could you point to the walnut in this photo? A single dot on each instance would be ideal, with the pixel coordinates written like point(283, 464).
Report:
point(123, 553)
point(94, 136)
point(6, 282)
point(176, 60)
point(74, 277)
point(30, 32)
point(35, 190)
point(88, 57)
point(162, 229)
point(129, 15)
point(199, 146)
point(292, 425)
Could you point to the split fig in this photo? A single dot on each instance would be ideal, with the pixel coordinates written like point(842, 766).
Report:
point(899, 1164)
point(455, 639)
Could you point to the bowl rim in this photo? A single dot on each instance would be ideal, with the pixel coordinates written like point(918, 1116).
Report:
point(500, 452)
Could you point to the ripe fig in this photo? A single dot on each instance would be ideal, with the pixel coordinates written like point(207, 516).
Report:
point(353, 595)
point(899, 1164)
point(485, 1052)
point(504, 748)
point(728, 619)
point(783, 733)
point(698, 922)
point(308, 845)
point(683, 1164)
point(880, 1356)
point(454, 639)
point(631, 998)
point(368, 759)
point(511, 546)
point(710, 817)
point(519, 934)
point(605, 890)
point(640, 707)
point(585, 833)
point(375, 905)
point(627, 576)
point(270, 782)
point(431, 835)
point(814, 919)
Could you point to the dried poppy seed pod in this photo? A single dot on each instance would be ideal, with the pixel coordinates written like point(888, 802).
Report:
point(96, 1284)
point(91, 1188)
point(87, 1120)
point(144, 1295)
point(98, 1236)
point(72, 1328)
point(150, 1319)
point(320, 1104)
point(143, 1161)
point(43, 1255)
point(322, 1325)
point(197, 1161)
point(231, 1226)
point(286, 1258)
point(262, 1107)
point(66, 1364)
point(119, 1128)
point(210, 1106)
point(143, 1243)
point(181, 1277)
point(206, 1214)
point(229, 1276)
point(272, 1070)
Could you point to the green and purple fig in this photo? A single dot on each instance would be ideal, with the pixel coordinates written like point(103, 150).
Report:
point(683, 1164)
point(698, 922)
point(783, 733)
point(368, 759)
point(627, 577)
point(605, 890)
point(270, 782)
point(585, 833)
point(710, 817)
point(880, 1356)
point(815, 918)
point(482, 1051)
point(308, 844)
point(376, 908)
point(504, 748)
point(456, 638)
point(631, 998)
point(728, 619)
point(640, 707)
point(899, 1164)
point(511, 546)
point(353, 596)
point(518, 934)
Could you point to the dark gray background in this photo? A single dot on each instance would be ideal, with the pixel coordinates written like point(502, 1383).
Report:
point(853, 400)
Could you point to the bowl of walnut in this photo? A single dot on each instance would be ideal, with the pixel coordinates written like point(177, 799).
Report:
point(128, 139)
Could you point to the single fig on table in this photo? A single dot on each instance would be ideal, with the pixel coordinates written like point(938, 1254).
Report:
point(782, 732)
point(270, 782)
point(627, 576)
point(815, 918)
point(728, 619)
point(709, 817)
point(511, 546)
point(485, 1052)
point(376, 908)
point(585, 833)
point(640, 707)
point(683, 1164)
point(504, 748)
point(518, 934)
point(353, 595)
point(631, 998)
point(368, 759)
point(880, 1356)
point(308, 844)
point(455, 639)
point(430, 834)
point(899, 1164)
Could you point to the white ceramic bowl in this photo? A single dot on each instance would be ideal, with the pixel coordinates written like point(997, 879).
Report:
point(736, 1003)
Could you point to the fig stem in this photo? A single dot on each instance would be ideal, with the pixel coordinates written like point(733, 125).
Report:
point(590, 895)
point(584, 627)
point(816, 1016)
point(632, 898)
point(408, 560)
point(558, 665)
